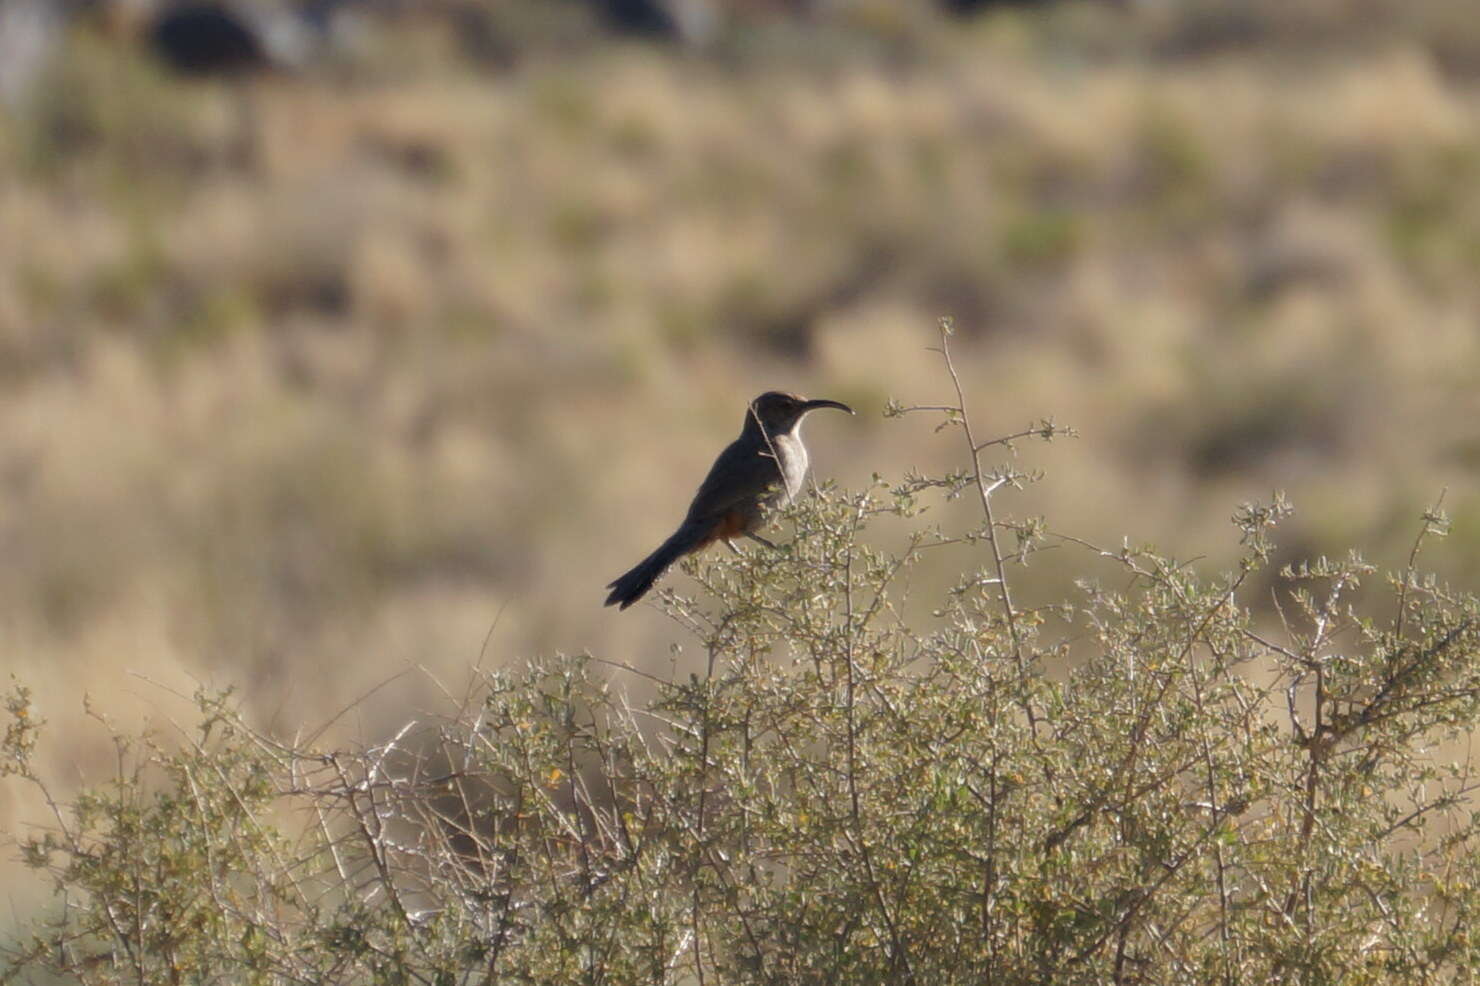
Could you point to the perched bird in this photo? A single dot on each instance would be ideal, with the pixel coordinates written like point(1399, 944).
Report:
point(765, 466)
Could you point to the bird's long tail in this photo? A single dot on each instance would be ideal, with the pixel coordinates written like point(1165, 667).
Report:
point(631, 587)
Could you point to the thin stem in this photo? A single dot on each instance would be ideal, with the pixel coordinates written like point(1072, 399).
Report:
point(899, 956)
point(984, 494)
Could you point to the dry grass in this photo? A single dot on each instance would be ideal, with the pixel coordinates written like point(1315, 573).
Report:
point(308, 383)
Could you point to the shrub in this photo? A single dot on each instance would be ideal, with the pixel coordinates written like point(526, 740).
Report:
point(1137, 784)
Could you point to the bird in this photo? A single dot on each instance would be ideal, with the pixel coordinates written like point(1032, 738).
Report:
point(764, 467)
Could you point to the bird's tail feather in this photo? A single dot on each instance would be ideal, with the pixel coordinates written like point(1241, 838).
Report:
point(631, 587)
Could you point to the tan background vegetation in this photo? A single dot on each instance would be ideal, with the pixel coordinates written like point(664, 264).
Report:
point(311, 379)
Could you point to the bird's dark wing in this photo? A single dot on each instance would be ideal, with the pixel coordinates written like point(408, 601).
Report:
point(738, 478)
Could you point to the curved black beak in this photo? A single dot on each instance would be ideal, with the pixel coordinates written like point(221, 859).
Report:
point(814, 405)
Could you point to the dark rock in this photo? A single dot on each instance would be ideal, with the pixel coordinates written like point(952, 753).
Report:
point(647, 18)
point(207, 39)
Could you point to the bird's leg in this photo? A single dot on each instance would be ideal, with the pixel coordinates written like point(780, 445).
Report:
point(757, 537)
point(731, 545)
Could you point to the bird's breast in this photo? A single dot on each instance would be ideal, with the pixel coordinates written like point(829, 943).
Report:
point(791, 459)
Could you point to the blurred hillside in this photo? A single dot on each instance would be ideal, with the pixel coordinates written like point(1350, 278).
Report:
point(314, 375)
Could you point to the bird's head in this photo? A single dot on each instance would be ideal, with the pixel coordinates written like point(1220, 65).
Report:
point(778, 413)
